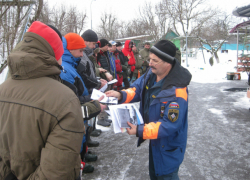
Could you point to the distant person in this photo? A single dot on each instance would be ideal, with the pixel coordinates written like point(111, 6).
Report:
point(124, 62)
point(144, 55)
point(138, 65)
point(178, 55)
point(163, 97)
point(41, 123)
point(127, 51)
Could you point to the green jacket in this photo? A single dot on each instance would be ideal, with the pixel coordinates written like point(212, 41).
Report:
point(41, 122)
point(144, 53)
point(138, 64)
point(178, 56)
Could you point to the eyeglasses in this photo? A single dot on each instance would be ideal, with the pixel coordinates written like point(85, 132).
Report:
point(153, 63)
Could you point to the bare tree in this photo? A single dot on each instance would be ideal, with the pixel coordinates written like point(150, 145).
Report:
point(109, 27)
point(13, 15)
point(187, 15)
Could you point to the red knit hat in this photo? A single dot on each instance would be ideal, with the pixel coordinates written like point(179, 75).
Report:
point(74, 41)
point(49, 35)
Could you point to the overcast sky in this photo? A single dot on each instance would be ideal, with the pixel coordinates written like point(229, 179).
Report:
point(127, 9)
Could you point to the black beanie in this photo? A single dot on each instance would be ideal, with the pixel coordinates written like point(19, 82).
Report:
point(103, 42)
point(118, 44)
point(56, 30)
point(90, 36)
point(165, 50)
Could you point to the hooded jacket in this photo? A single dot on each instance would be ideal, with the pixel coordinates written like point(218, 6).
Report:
point(41, 124)
point(164, 107)
point(69, 64)
point(130, 55)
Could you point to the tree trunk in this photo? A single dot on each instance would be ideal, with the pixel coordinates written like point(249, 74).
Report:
point(216, 57)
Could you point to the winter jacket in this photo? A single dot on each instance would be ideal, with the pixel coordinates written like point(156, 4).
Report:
point(41, 125)
point(130, 55)
point(164, 107)
point(86, 69)
point(124, 64)
point(69, 64)
point(144, 54)
point(116, 64)
point(138, 64)
point(103, 61)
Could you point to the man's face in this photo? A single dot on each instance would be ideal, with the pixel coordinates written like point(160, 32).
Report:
point(157, 65)
point(119, 48)
point(147, 46)
point(77, 52)
point(134, 48)
point(90, 45)
point(104, 48)
point(109, 48)
point(113, 48)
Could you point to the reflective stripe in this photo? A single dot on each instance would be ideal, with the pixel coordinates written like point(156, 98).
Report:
point(130, 94)
point(182, 92)
point(150, 130)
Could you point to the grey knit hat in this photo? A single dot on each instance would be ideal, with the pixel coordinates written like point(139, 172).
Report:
point(90, 36)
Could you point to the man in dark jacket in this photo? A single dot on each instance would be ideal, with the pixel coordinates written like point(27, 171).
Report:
point(86, 68)
point(41, 123)
point(124, 63)
point(163, 95)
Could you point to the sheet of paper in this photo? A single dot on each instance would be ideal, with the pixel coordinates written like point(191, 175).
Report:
point(113, 81)
point(103, 89)
point(96, 94)
point(123, 113)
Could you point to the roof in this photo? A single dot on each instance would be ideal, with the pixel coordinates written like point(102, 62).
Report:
point(134, 37)
point(243, 11)
point(242, 27)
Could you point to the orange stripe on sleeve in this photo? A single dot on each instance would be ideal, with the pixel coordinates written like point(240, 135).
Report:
point(130, 94)
point(150, 130)
point(182, 92)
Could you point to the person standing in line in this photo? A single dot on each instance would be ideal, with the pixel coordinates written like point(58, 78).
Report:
point(127, 51)
point(138, 65)
point(41, 122)
point(163, 95)
point(124, 62)
point(144, 55)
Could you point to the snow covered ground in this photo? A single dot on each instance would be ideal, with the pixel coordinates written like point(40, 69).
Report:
point(218, 145)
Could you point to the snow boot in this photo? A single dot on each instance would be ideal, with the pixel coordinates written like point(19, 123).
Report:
point(91, 143)
point(88, 168)
point(90, 157)
point(102, 122)
point(95, 133)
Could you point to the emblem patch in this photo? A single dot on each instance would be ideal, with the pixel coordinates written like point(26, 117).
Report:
point(173, 105)
point(173, 114)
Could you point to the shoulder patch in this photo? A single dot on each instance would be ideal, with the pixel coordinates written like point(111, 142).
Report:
point(173, 114)
point(173, 105)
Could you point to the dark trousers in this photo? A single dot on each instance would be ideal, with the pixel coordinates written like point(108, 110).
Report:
point(171, 176)
point(126, 83)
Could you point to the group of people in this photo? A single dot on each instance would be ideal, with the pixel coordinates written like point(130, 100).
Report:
point(46, 107)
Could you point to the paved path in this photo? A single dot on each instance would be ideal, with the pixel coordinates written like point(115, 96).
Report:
point(218, 141)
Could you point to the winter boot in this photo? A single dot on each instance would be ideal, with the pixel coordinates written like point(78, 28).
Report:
point(90, 157)
point(106, 117)
point(101, 120)
point(91, 143)
point(95, 133)
point(88, 168)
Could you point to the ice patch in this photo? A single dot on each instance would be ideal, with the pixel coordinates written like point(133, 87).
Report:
point(219, 114)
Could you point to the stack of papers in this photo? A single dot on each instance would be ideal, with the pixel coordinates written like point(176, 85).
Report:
point(96, 94)
point(123, 113)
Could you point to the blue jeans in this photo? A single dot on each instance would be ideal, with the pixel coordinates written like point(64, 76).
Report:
point(171, 176)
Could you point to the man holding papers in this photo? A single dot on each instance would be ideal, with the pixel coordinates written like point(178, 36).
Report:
point(163, 95)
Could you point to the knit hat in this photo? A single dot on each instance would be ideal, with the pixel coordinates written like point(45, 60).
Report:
point(102, 43)
point(90, 36)
point(50, 35)
point(74, 41)
point(56, 30)
point(165, 50)
point(118, 44)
